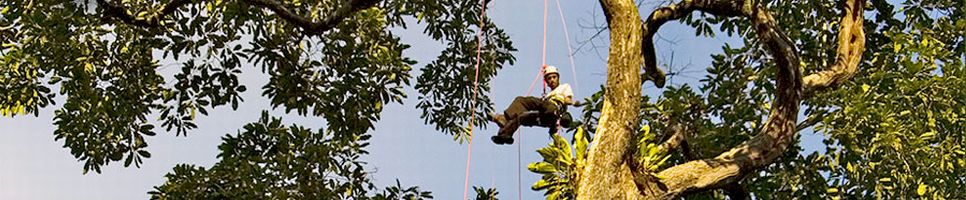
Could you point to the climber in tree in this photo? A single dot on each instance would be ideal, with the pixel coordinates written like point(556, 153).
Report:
point(534, 111)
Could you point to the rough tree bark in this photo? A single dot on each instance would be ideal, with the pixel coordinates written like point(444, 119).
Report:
point(608, 175)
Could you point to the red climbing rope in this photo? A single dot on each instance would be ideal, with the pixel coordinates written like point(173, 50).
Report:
point(476, 77)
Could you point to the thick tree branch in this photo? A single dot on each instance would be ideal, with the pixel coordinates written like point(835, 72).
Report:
point(851, 44)
point(153, 20)
point(673, 12)
point(315, 28)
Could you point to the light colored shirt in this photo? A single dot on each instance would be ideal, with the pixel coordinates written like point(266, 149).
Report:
point(562, 95)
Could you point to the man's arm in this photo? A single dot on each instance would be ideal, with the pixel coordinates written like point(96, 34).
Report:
point(569, 96)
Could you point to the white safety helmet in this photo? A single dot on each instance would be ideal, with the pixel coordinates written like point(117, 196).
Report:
point(550, 69)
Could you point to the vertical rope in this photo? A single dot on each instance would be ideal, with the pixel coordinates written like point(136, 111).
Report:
point(476, 78)
point(519, 166)
point(544, 64)
point(469, 154)
point(520, 143)
point(544, 33)
point(570, 50)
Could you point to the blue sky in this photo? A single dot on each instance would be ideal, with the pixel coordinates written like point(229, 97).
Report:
point(34, 166)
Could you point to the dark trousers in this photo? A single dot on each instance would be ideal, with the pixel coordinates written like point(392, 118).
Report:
point(529, 111)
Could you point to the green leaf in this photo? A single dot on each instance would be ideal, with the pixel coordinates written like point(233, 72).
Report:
point(928, 135)
point(541, 167)
point(565, 150)
point(146, 129)
point(540, 185)
point(581, 143)
point(127, 161)
point(144, 153)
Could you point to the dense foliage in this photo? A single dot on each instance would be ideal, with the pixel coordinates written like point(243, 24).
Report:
point(104, 57)
point(268, 160)
point(110, 60)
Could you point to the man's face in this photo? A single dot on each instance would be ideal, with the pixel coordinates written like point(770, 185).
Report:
point(553, 80)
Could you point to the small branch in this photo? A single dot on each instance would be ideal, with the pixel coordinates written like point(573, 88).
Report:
point(311, 27)
point(122, 13)
point(5, 28)
point(851, 44)
point(810, 121)
point(678, 140)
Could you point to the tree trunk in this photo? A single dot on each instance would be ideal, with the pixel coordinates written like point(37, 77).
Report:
point(607, 176)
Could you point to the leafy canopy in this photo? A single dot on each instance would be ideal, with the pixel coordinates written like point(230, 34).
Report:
point(271, 161)
point(124, 69)
point(104, 57)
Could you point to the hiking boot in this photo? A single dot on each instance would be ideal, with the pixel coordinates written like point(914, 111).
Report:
point(499, 119)
point(502, 140)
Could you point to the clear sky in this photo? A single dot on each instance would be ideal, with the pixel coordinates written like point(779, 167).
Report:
point(34, 166)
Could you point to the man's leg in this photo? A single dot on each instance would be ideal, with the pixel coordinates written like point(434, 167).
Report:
point(505, 135)
point(520, 109)
point(522, 105)
point(519, 106)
